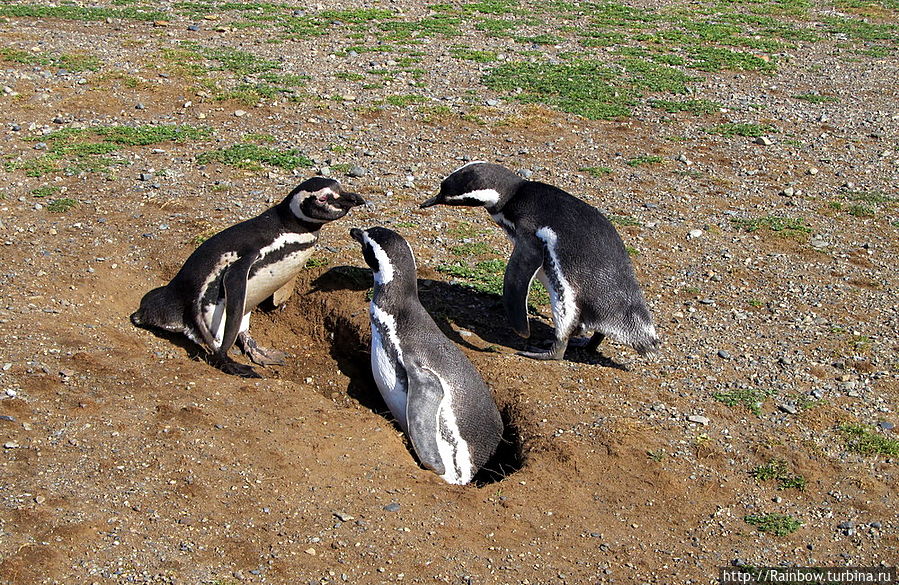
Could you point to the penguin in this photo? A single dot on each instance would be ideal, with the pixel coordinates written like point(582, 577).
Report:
point(228, 275)
point(434, 392)
point(566, 243)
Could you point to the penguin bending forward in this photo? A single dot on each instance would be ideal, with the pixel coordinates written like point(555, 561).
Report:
point(570, 245)
point(430, 386)
point(228, 275)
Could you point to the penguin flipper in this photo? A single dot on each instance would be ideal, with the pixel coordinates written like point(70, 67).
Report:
point(425, 393)
point(526, 260)
point(234, 282)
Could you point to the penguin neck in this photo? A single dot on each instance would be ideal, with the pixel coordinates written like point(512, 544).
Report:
point(399, 286)
point(506, 191)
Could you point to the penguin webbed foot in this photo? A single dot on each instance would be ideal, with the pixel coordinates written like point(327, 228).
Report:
point(262, 356)
point(590, 345)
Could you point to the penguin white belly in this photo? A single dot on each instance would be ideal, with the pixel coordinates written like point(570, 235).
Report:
point(271, 277)
point(215, 319)
point(386, 365)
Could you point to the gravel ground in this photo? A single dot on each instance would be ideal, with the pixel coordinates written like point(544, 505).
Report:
point(126, 459)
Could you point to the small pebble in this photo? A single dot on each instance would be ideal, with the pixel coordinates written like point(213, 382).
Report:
point(356, 171)
point(875, 525)
point(392, 507)
point(885, 425)
point(693, 234)
point(10, 445)
point(813, 171)
point(764, 141)
point(240, 113)
point(846, 525)
point(788, 407)
point(698, 419)
point(724, 354)
point(7, 418)
point(193, 27)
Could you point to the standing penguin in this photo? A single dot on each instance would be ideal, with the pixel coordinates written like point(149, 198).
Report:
point(435, 393)
point(228, 275)
point(570, 246)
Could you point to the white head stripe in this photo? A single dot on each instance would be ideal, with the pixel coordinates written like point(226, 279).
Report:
point(384, 273)
point(486, 196)
point(474, 162)
point(295, 203)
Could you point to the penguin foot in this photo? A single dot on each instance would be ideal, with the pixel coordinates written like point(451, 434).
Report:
point(591, 344)
point(540, 355)
point(262, 356)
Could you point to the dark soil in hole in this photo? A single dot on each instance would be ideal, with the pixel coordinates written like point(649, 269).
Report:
point(335, 311)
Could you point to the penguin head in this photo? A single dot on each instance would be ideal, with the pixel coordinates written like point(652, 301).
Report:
point(387, 253)
point(320, 200)
point(475, 184)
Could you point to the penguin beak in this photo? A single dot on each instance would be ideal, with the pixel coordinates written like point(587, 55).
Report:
point(430, 202)
point(357, 234)
point(353, 198)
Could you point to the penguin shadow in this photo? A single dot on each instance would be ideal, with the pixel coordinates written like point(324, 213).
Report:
point(350, 349)
point(484, 315)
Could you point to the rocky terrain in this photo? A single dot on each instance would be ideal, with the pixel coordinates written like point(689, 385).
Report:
point(748, 153)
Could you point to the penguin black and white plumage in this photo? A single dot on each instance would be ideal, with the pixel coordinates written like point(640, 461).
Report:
point(228, 275)
point(438, 398)
point(567, 243)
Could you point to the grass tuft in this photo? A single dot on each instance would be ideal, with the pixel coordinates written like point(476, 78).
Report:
point(776, 524)
point(777, 470)
point(867, 441)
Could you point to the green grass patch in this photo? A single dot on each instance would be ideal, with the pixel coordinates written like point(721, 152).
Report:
point(776, 524)
point(75, 63)
point(750, 398)
point(867, 441)
point(47, 191)
point(624, 220)
point(473, 249)
point(714, 59)
point(252, 156)
point(73, 12)
point(655, 76)
point(485, 276)
point(495, 27)
point(788, 227)
point(35, 167)
point(816, 98)
point(747, 129)
point(62, 205)
point(587, 88)
point(405, 100)
point(597, 172)
point(468, 54)
point(695, 107)
point(778, 471)
point(645, 160)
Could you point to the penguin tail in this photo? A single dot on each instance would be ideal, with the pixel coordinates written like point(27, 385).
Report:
point(157, 309)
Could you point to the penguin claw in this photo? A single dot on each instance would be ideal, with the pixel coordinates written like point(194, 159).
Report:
point(264, 356)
